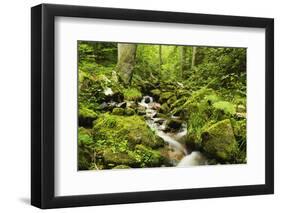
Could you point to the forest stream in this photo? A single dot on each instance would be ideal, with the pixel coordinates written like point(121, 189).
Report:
point(156, 105)
point(178, 153)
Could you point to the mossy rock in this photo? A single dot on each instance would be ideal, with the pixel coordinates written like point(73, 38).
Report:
point(155, 92)
point(86, 117)
point(174, 124)
point(117, 158)
point(132, 94)
point(85, 140)
point(118, 111)
point(165, 96)
point(129, 111)
point(164, 108)
point(121, 167)
point(126, 128)
point(149, 157)
point(218, 141)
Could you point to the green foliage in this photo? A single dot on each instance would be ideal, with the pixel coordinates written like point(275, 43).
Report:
point(132, 94)
point(225, 106)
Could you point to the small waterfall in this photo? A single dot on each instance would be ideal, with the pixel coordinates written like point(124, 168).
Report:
point(172, 142)
point(177, 149)
point(193, 159)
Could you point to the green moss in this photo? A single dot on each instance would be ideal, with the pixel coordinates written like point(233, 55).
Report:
point(129, 111)
point(156, 92)
point(164, 108)
point(172, 100)
point(225, 106)
point(165, 96)
point(147, 156)
point(132, 128)
point(85, 142)
point(122, 167)
point(218, 141)
point(118, 111)
point(86, 117)
point(126, 140)
point(118, 158)
point(84, 136)
point(213, 98)
point(132, 94)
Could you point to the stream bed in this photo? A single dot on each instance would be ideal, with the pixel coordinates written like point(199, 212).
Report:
point(178, 153)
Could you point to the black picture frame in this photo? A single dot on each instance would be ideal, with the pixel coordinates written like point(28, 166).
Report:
point(43, 111)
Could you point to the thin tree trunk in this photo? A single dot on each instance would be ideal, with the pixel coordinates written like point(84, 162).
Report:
point(194, 49)
point(126, 61)
point(160, 60)
point(183, 60)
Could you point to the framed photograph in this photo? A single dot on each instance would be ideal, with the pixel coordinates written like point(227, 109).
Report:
point(140, 106)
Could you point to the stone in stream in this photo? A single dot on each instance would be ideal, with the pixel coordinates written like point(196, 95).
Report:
point(122, 105)
point(174, 124)
point(147, 99)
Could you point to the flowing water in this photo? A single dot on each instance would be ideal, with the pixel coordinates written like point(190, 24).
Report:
point(178, 153)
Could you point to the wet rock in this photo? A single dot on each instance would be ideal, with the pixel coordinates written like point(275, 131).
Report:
point(218, 141)
point(103, 106)
point(131, 104)
point(122, 105)
point(155, 106)
point(159, 120)
point(174, 124)
point(147, 99)
point(115, 97)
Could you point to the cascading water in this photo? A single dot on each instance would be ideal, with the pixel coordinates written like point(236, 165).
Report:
point(178, 151)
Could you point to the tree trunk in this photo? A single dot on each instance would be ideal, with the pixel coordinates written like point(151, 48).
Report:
point(160, 60)
point(194, 49)
point(126, 62)
point(183, 61)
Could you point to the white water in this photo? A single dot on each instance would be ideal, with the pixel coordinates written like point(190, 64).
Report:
point(192, 159)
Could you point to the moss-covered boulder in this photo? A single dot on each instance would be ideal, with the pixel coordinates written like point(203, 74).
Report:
point(118, 111)
point(127, 140)
point(130, 128)
point(86, 117)
point(85, 142)
point(218, 141)
point(118, 158)
point(132, 94)
point(129, 111)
